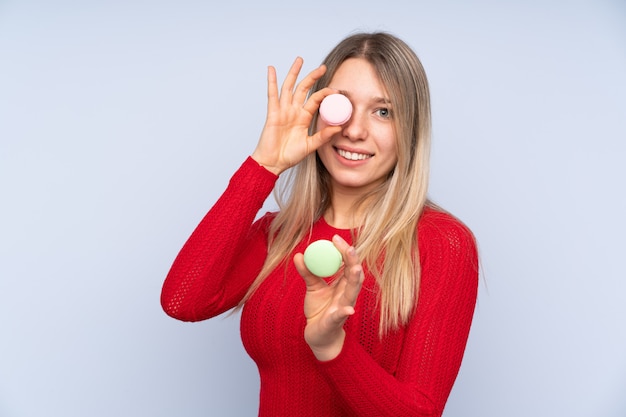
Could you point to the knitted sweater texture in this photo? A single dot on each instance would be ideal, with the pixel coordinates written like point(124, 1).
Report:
point(408, 372)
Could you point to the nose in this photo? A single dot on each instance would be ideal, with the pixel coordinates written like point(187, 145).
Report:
point(355, 128)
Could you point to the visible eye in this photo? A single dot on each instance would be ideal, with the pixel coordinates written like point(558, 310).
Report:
point(384, 113)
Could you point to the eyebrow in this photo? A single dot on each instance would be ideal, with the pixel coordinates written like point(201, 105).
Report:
point(381, 100)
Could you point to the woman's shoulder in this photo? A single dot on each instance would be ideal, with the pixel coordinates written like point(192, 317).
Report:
point(446, 244)
point(438, 224)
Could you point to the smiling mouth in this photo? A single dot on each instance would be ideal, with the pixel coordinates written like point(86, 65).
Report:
point(353, 156)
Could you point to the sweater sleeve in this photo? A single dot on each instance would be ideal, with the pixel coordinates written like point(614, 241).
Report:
point(434, 340)
point(202, 281)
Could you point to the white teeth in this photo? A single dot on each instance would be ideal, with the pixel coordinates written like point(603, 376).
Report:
point(353, 156)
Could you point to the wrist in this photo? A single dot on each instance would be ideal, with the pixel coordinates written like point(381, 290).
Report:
point(330, 351)
point(274, 170)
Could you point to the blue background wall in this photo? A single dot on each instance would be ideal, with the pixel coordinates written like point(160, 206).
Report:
point(122, 121)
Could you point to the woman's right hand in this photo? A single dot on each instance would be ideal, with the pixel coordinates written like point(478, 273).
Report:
point(285, 140)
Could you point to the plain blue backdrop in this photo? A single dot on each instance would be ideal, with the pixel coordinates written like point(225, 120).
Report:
point(122, 121)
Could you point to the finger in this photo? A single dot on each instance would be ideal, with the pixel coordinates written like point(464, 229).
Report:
point(321, 137)
point(343, 303)
point(354, 281)
point(341, 315)
point(286, 91)
point(314, 101)
point(347, 251)
point(338, 310)
point(302, 90)
point(272, 85)
point(272, 89)
point(353, 271)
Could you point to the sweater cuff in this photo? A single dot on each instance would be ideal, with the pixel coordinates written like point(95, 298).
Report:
point(250, 163)
point(251, 175)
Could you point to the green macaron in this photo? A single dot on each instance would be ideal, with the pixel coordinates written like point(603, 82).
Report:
point(322, 258)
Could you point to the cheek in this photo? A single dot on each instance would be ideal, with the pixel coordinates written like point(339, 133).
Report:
point(325, 152)
point(388, 144)
point(390, 150)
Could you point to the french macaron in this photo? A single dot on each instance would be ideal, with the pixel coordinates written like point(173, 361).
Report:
point(335, 109)
point(322, 258)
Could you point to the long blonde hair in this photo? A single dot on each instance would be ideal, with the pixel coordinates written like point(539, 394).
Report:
point(386, 241)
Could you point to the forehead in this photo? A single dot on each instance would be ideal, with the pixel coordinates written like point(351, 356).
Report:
point(357, 78)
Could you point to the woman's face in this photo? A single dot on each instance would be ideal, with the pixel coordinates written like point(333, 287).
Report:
point(360, 157)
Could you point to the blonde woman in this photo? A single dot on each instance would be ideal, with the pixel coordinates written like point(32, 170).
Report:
point(385, 335)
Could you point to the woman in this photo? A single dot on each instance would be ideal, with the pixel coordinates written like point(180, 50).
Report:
point(385, 336)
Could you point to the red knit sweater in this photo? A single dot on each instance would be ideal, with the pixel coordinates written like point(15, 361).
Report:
point(409, 372)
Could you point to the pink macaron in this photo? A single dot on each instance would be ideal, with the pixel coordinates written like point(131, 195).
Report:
point(335, 109)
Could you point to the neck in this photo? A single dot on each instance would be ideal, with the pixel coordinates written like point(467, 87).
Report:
point(341, 213)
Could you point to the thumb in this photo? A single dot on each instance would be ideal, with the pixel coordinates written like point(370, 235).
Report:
point(322, 136)
point(312, 282)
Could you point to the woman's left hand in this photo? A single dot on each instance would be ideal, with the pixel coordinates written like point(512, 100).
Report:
point(327, 306)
